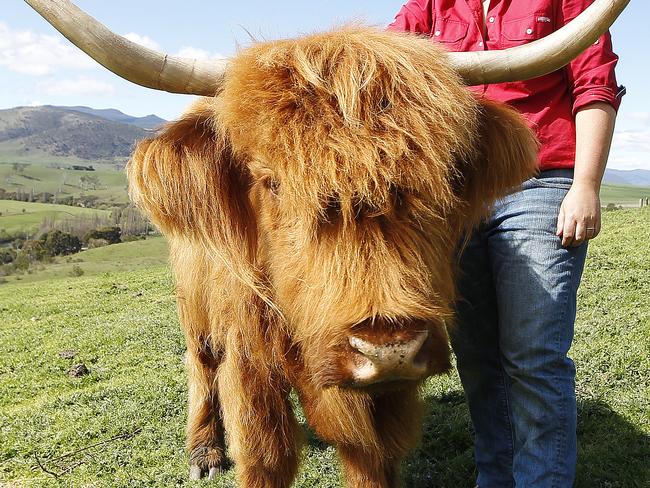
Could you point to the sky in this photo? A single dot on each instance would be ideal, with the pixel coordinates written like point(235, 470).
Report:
point(40, 67)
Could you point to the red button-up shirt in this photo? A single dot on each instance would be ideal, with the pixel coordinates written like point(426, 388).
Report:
point(549, 102)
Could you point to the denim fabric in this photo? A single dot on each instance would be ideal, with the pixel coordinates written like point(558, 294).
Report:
point(516, 311)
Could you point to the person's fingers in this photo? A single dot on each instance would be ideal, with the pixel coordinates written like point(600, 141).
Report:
point(595, 226)
point(581, 233)
point(568, 231)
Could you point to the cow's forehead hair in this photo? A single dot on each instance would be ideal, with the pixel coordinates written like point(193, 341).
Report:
point(350, 111)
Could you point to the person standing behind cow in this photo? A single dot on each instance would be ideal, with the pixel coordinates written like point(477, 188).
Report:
point(521, 268)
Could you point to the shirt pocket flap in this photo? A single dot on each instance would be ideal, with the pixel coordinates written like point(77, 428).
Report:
point(450, 30)
point(527, 28)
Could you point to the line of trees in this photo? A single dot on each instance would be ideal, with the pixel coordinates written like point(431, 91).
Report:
point(56, 237)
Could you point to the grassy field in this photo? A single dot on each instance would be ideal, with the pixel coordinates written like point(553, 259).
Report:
point(625, 195)
point(26, 216)
point(43, 177)
point(122, 425)
point(128, 256)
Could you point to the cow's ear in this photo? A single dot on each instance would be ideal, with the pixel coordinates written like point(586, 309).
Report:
point(188, 182)
point(506, 157)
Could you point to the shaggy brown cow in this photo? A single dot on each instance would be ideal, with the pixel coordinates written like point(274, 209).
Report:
point(313, 207)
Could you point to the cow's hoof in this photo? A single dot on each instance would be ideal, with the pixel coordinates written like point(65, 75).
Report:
point(212, 474)
point(206, 461)
point(196, 473)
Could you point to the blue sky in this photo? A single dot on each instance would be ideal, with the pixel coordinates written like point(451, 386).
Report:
point(38, 66)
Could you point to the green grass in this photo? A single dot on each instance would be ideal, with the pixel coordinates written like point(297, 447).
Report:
point(626, 195)
point(125, 329)
point(26, 216)
point(128, 256)
point(13, 151)
point(42, 177)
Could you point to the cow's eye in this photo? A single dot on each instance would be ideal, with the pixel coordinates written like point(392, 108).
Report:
point(399, 198)
point(272, 185)
point(332, 210)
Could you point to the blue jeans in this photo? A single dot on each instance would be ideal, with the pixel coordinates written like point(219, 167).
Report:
point(516, 310)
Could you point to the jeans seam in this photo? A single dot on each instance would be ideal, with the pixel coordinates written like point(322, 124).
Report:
point(562, 437)
point(507, 415)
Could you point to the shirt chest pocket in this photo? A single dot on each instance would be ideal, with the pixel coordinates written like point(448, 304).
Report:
point(450, 32)
point(524, 30)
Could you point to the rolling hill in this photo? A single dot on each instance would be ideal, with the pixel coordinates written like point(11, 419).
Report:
point(148, 122)
point(635, 177)
point(55, 133)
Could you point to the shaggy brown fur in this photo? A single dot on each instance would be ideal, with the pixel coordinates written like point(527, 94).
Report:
point(321, 193)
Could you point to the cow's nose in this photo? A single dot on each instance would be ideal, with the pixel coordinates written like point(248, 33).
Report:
point(399, 359)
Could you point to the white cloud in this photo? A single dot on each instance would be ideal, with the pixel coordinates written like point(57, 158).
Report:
point(632, 140)
point(196, 53)
point(37, 54)
point(631, 143)
point(79, 86)
point(143, 41)
point(639, 117)
point(627, 162)
point(631, 149)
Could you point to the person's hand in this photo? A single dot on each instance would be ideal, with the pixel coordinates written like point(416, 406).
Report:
point(579, 217)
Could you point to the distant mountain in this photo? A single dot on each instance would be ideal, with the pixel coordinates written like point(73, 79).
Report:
point(64, 132)
point(147, 122)
point(636, 177)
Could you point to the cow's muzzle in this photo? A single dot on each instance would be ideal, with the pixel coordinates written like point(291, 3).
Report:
point(402, 357)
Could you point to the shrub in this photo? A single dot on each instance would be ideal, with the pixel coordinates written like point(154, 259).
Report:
point(7, 255)
point(33, 250)
point(113, 235)
point(93, 243)
point(611, 207)
point(57, 243)
point(23, 259)
point(76, 271)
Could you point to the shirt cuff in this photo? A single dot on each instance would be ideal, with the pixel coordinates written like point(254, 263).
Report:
point(596, 94)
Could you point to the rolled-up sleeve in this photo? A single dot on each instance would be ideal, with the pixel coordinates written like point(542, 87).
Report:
point(591, 75)
point(414, 16)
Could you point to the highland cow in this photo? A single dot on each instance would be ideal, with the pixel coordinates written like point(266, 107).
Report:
point(313, 208)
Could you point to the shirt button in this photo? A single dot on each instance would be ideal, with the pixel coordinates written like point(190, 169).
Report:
point(529, 31)
point(436, 33)
point(480, 43)
point(491, 20)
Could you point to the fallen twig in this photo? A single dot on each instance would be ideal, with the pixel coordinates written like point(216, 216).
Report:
point(40, 465)
point(124, 436)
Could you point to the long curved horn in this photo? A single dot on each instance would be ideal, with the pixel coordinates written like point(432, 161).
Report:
point(127, 59)
point(542, 56)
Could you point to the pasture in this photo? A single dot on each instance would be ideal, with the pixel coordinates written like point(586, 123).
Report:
point(55, 178)
point(625, 195)
point(122, 425)
point(129, 256)
point(27, 216)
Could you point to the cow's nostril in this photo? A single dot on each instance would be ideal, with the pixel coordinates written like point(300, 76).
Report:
point(398, 359)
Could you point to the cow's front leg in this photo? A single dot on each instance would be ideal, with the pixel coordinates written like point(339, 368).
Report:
point(263, 433)
point(372, 432)
point(205, 431)
point(396, 421)
point(364, 468)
